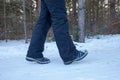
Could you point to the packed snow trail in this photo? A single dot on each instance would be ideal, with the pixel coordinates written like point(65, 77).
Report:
point(102, 63)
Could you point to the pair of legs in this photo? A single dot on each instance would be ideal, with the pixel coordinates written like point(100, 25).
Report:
point(53, 13)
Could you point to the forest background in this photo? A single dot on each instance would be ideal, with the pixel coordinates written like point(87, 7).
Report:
point(102, 17)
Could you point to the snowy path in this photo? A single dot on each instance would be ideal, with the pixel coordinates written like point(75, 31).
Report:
point(102, 63)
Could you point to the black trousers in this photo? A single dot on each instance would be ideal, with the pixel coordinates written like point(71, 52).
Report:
point(53, 13)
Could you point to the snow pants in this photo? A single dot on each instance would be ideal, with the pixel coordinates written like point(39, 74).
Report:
point(53, 13)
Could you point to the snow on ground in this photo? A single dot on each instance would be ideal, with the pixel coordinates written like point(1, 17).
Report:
point(102, 63)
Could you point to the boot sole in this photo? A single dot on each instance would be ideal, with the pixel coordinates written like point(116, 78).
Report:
point(37, 61)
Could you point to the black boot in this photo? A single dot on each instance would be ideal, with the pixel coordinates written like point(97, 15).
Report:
point(80, 55)
point(39, 60)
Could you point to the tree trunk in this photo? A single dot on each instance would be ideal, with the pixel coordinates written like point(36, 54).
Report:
point(38, 8)
point(24, 21)
point(112, 11)
point(5, 21)
point(81, 20)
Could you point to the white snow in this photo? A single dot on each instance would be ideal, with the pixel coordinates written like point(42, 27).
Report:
point(102, 63)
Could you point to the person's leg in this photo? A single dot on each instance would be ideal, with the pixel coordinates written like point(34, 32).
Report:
point(39, 34)
point(60, 25)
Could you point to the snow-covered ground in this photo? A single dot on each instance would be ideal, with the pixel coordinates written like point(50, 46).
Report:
point(102, 63)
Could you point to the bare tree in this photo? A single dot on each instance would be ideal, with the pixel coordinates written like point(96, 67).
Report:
point(38, 3)
point(81, 20)
point(112, 10)
point(5, 20)
point(24, 16)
